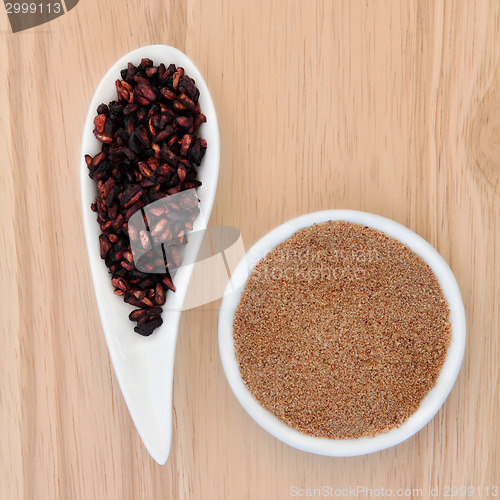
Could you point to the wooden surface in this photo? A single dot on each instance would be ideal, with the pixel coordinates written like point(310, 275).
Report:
point(389, 107)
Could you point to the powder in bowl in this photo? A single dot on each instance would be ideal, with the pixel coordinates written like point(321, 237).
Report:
point(341, 331)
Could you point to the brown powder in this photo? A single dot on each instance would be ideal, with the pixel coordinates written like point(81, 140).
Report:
point(341, 331)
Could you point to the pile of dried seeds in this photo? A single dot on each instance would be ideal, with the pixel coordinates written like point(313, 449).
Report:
point(341, 331)
point(149, 151)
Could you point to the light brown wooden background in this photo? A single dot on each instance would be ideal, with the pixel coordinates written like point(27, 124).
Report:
point(389, 107)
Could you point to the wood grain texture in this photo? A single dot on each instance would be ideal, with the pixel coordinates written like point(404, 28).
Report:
point(390, 107)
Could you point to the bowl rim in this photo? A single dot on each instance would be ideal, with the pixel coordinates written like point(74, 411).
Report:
point(430, 404)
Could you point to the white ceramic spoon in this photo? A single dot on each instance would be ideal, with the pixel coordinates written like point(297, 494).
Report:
point(144, 366)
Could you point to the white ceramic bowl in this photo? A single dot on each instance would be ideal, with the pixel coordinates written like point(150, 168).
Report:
point(144, 366)
point(432, 402)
